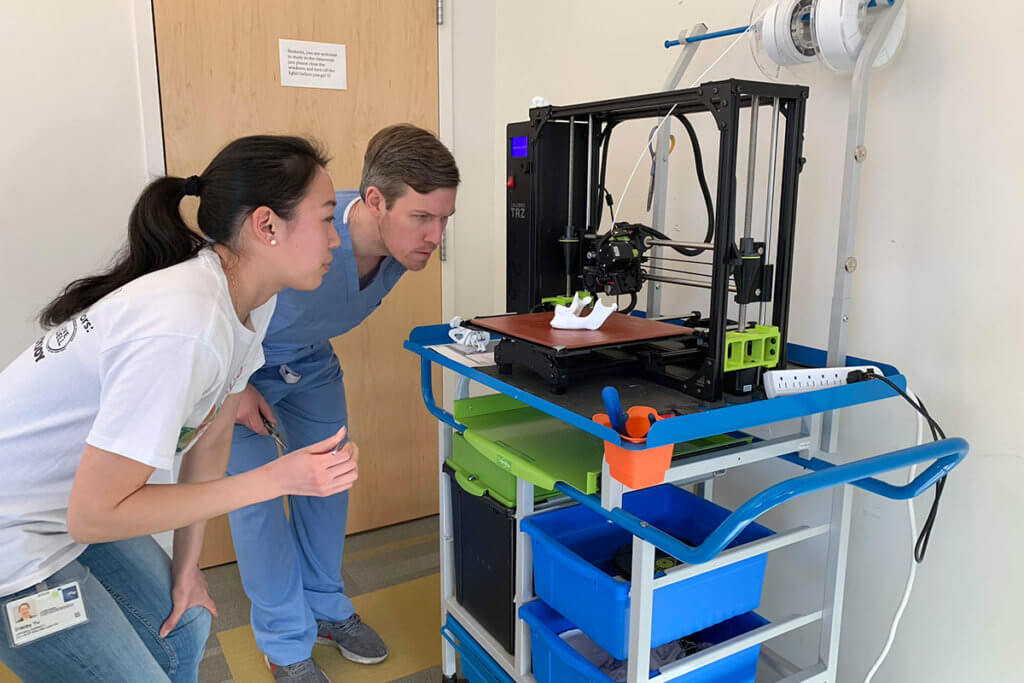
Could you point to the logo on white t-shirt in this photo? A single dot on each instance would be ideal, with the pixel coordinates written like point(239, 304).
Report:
point(59, 338)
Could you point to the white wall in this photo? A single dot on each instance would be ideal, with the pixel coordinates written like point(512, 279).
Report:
point(77, 91)
point(937, 292)
point(472, 237)
point(72, 149)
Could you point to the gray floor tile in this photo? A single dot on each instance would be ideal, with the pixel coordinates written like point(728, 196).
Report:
point(432, 675)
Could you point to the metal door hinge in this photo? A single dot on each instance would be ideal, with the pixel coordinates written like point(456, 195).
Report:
point(440, 12)
point(444, 246)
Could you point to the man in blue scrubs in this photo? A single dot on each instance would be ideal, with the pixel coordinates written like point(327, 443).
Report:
point(291, 568)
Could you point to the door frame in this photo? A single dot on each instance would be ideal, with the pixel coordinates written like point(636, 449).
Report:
point(149, 90)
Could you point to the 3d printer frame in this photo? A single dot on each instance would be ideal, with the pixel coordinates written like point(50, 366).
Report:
point(557, 163)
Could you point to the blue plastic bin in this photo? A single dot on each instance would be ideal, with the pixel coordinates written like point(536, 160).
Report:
point(477, 665)
point(555, 661)
point(573, 553)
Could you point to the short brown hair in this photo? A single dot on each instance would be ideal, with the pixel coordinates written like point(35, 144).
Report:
point(406, 155)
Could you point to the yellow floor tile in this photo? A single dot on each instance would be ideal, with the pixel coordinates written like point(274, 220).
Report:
point(406, 616)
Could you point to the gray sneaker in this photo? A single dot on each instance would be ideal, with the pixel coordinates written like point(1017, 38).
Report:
point(305, 671)
point(357, 642)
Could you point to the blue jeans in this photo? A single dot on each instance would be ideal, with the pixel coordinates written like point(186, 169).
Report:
point(291, 567)
point(126, 586)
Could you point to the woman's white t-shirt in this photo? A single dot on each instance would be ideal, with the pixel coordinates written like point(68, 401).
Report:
point(141, 373)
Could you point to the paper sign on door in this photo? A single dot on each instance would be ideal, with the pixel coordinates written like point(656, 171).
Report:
point(305, 64)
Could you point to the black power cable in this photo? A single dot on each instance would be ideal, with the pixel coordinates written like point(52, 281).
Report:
point(921, 547)
point(698, 160)
point(685, 251)
point(606, 138)
point(632, 303)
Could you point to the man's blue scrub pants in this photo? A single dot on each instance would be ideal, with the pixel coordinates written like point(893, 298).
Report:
point(291, 564)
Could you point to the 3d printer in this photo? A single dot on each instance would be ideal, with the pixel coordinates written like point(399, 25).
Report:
point(557, 165)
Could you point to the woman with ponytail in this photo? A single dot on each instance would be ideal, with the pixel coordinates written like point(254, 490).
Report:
point(140, 364)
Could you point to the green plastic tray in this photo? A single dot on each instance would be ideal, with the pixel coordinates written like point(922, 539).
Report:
point(478, 475)
point(505, 439)
point(529, 444)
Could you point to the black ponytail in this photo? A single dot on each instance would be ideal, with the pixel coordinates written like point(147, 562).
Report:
point(259, 170)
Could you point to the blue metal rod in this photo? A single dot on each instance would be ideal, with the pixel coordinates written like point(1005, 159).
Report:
point(684, 427)
point(438, 334)
point(741, 29)
point(717, 34)
point(708, 36)
point(946, 453)
point(936, 471)
point(427, 387)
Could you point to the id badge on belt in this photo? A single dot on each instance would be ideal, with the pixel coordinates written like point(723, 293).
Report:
point(49, 611)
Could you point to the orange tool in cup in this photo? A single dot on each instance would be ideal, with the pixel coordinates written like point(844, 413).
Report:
point(636, 468)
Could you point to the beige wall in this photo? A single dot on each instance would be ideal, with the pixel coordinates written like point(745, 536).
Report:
point(937, 292)
point(72, 149)
point(473, 101)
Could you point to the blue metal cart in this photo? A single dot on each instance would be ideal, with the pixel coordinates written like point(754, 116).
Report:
point(715, 552)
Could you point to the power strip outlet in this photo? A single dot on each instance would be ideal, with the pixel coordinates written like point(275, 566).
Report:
point(785, 382)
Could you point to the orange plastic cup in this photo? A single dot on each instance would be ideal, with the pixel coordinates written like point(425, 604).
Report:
point(636, 469)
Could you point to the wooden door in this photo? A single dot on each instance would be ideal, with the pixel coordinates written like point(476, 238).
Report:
point(219, 76)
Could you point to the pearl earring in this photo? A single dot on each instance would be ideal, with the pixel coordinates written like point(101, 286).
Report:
point(273, 243)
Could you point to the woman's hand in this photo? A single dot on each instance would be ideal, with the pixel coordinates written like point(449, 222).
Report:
point(188, 590)
point(318, 470)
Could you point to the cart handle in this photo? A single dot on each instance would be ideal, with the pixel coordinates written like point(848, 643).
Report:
point(427, 387)
point(946, 454)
